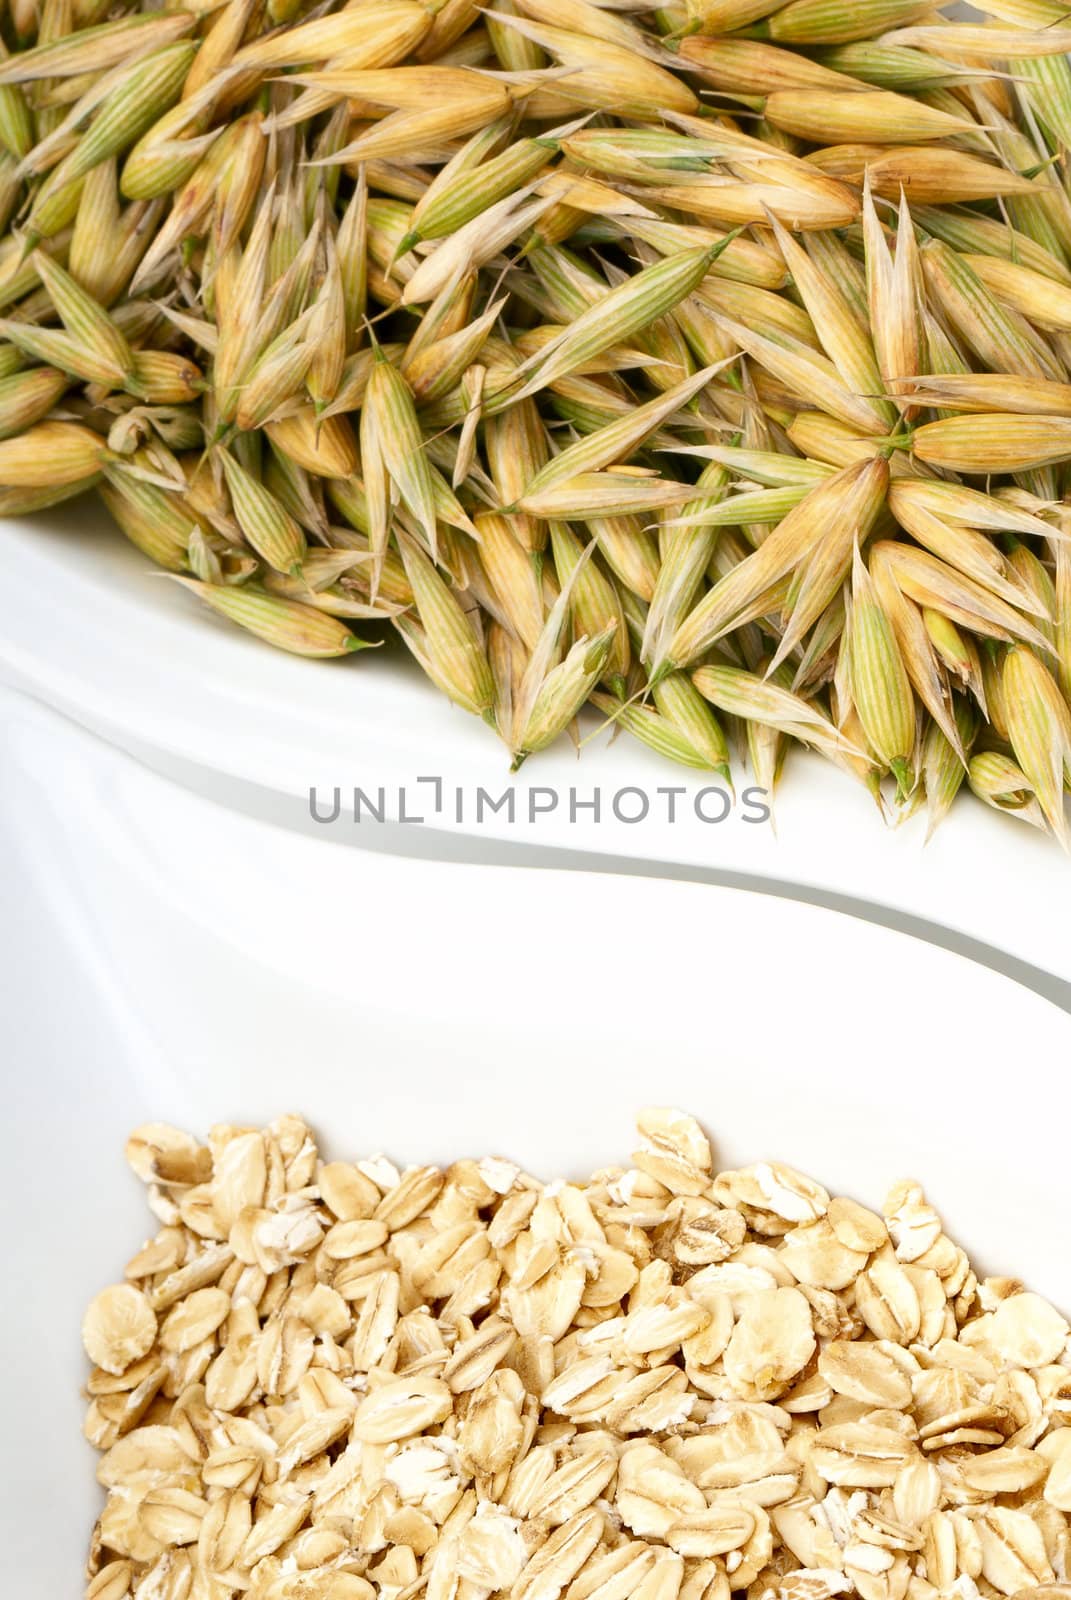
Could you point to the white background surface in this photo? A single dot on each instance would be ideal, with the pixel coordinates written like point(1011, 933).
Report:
point(88, 625)
point(166, 957)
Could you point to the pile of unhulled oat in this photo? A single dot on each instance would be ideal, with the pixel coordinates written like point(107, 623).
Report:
point(707, 364)
point(343, 1382)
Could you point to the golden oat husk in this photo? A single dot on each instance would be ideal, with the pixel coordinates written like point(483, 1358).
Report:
point(717, 17)
point(1062, 613)
point(1035, 295)
point(933, 177)
point(834, 443)
point(236, 189)
point(51, 455)
point(512, 576)
point(810, 376)
point(273, 385)
point(1034, 577)
point(166, 378)
point(95, 49)
point(1048, 92)
point(604, 494)
point(324, 446)
point(931, 582)
point(327, 335)
point(516, 446)
point(508, 660)
point(456, 197)
point(601, 76)
point(959, 655)
point(389, 402)
point(368, 29)
point(898, 67)
point(821, 204)
point(968, 550)
point(864, 116)
point(767, 746)
point(1043, 214)
point(893, 290)
point(437, 369)
point(26, 397)
point(596, 22)
point(987, 392)
point(1000, 442)
point(298, 490)
point(22, 502)
point(816, 539)
point(749, 67)
point(223, 36)
point(769, 315)
point(513, 52)
point(473, 245)
point(742, 260)
point(95, 227)
point(983, 43)
point(579, 197)
point(85, 320)
point(847, 344)
point(194, 201)
point(169, 153)
point(630, 550)
point(619, 440)
point(144, 94)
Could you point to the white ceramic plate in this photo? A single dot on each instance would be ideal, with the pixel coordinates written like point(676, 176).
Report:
point(168, 958)
point(91, 628)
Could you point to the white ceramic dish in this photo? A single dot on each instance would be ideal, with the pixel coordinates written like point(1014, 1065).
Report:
point(90, 628)
point(169, 958)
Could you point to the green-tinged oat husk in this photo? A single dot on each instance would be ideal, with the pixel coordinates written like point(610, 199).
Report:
point(754, 699)
point(1039, 731)
point(999, 782)
point(450, 641)
point(265, 523)
point(562, 693)
point(284, 623)
point(942, 765)
point(878, 679)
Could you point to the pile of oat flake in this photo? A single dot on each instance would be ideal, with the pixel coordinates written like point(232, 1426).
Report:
point(335, 1381)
